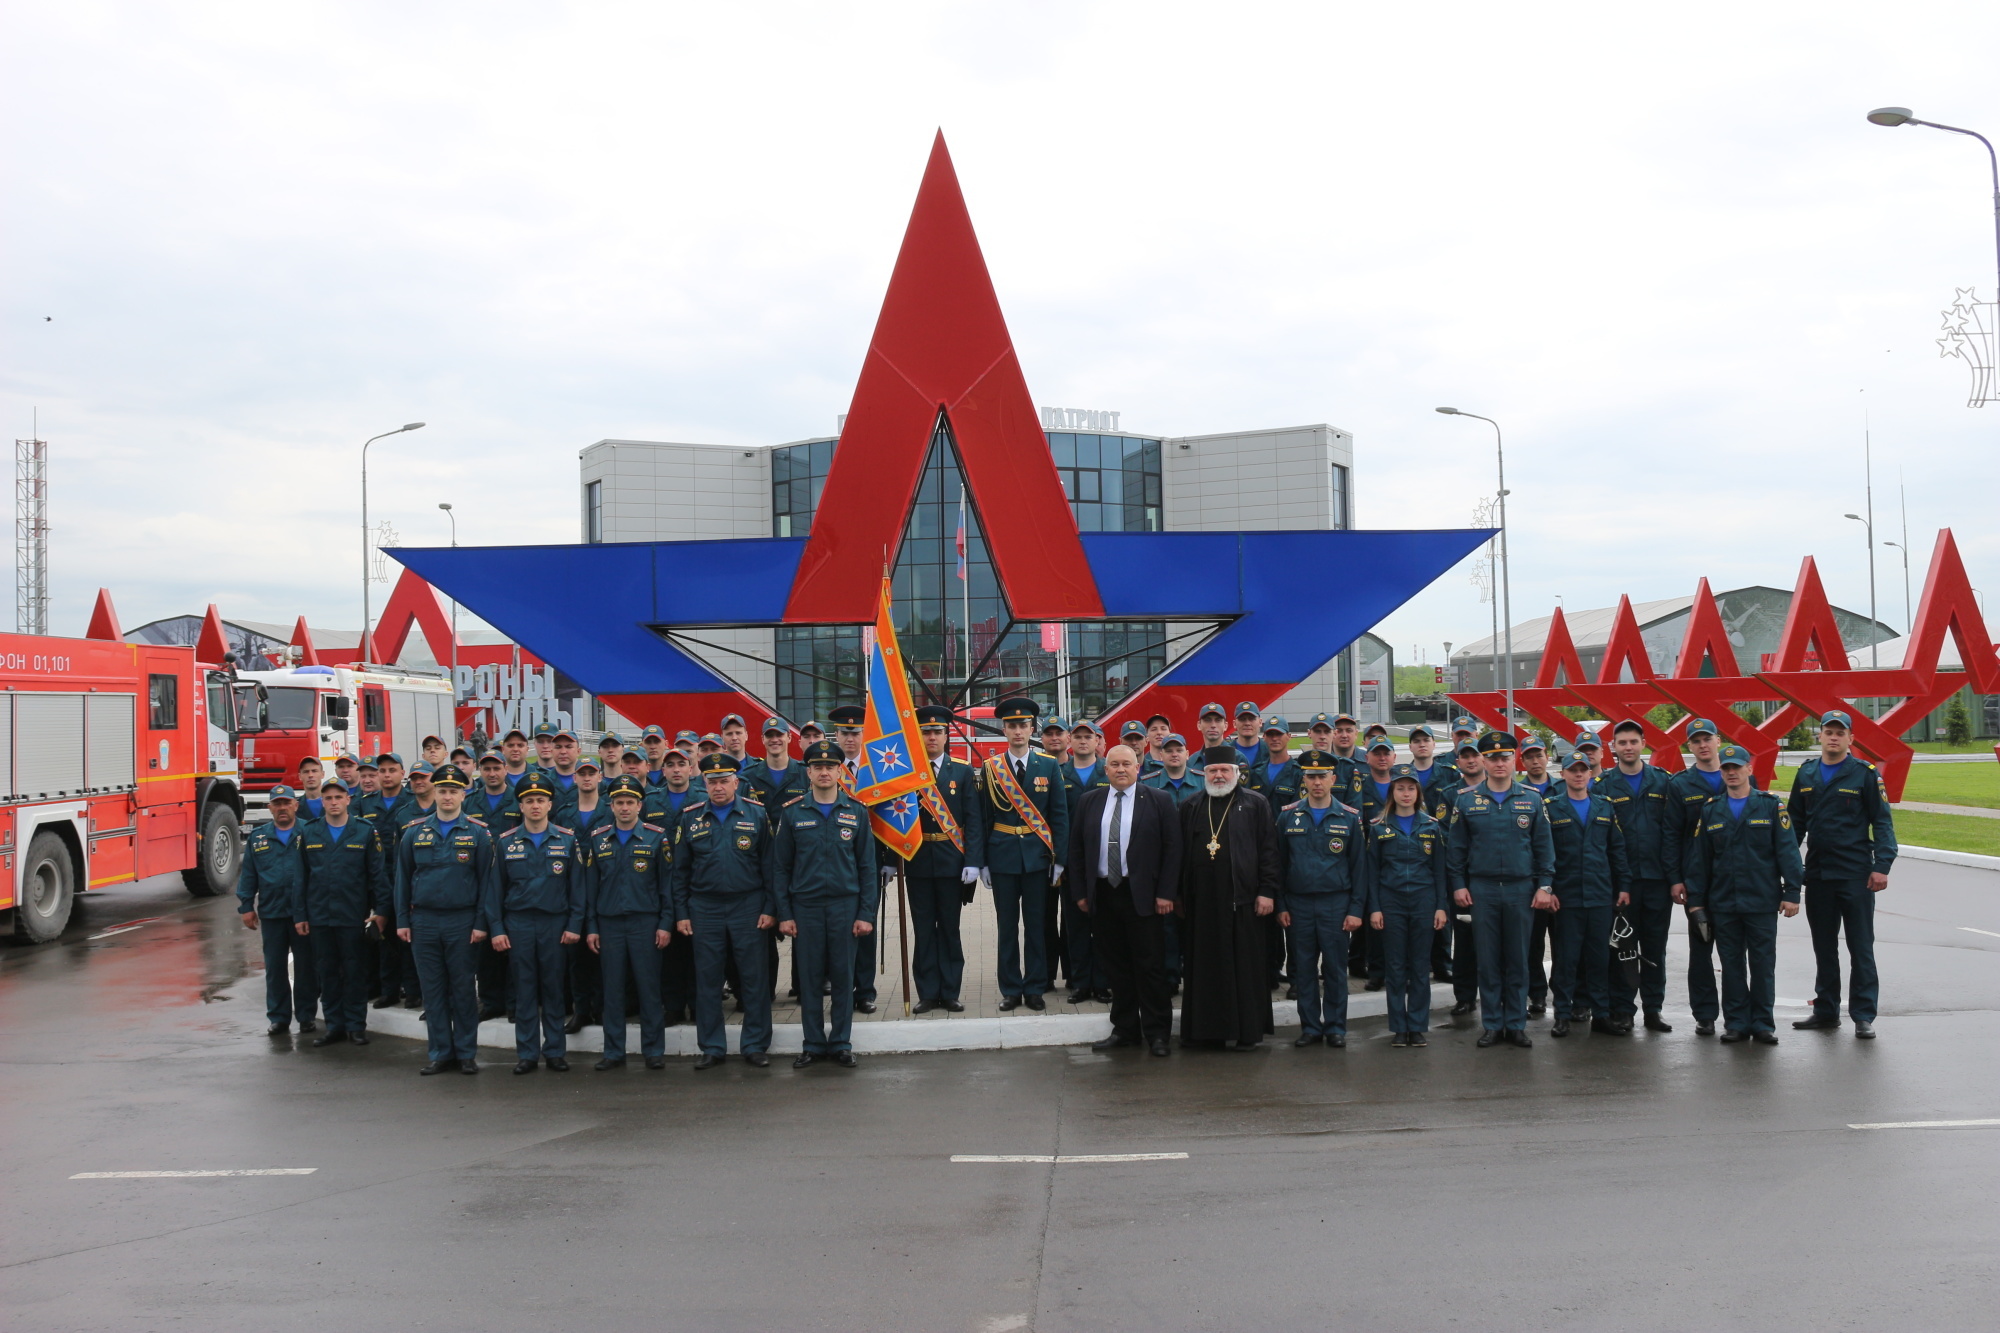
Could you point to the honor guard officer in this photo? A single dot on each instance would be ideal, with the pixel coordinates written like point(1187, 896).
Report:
point(493, 803)
point(1841, 811)
point(346, 891)
point(1068, 928)
point(945, 871)
point(270, 898)
point(1688, 791)
point(1591, 875)
point(541, 910)
point(1407, 902)
point(1323, 891)
point(1026, 819)
point(1743, 871)
point(1641, 798)
point(447, 895)
point(775, 779)
point(823, 878)
point(628, 918)
point(1500, 862)
point(722, 902)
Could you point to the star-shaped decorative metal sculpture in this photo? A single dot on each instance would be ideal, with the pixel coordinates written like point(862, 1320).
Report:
point(941, 357)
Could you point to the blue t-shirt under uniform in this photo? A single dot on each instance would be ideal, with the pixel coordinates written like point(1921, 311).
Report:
point(1736, 804)
point(1582, 809)
point(1405, 823)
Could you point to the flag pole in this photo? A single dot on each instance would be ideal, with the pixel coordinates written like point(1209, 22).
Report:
point(903, 927)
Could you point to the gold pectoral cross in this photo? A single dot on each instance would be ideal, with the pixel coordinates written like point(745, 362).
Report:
point(1213, 847)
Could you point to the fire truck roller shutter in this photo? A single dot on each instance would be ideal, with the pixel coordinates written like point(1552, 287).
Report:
point(109, 741)
point(7, 786)
point(403, 733)
point(49, 745)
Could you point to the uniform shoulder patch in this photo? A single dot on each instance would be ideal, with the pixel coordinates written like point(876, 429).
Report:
point(654, 827)
point(792, 802)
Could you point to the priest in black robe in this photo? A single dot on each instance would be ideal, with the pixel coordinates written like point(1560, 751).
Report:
point(1229, 880)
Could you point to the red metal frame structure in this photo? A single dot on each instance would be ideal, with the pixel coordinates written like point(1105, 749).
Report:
point(1810, 673)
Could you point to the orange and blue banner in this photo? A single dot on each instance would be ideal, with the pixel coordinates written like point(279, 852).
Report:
point(893, 767)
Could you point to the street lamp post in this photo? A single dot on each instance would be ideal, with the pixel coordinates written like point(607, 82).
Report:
point(1873, 655)
point(1506, 581)
point(367, 636)
point(1892, 116)
point(446, 506)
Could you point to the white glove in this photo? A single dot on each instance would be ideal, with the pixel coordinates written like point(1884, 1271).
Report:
point(986, 877)
point(969, 875)
point(1055, 874)
point(888, 875)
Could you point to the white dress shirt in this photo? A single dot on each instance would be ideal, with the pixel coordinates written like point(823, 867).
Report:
point(1112, 803)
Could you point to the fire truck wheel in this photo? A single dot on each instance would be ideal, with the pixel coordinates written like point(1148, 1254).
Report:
point(220, 854)
point(48, 889)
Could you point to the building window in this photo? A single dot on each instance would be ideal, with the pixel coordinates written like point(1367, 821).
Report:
point(163, 703)
point(798, 475)
point(593, 511)
point(1339, 496)
point(1112, 481)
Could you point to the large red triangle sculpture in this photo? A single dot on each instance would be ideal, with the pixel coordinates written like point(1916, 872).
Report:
point(910, 376)
point(1619, 699)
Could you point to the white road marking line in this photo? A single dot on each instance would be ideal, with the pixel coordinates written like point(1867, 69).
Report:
point(1977, 931)
point(1067, 1159)
point(182, 1175)
point(122, 927)
point(1925, 1124)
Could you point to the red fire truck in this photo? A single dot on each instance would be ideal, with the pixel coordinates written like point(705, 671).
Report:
point(331, 711)
point(118, 761)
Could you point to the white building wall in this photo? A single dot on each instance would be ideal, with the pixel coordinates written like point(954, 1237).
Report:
point(677, 492)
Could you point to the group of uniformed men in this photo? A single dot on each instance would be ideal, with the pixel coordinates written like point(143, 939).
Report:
point(555, 889)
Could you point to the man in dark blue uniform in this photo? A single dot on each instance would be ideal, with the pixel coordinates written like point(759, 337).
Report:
point(628, 910)
point(666, 801)
point(1743, 870)
point(346, 889)
point(1248, 740)
point(1468, 771)
point(1840, 811)
point(1591, 875)
point(270, 898)
point(1213, 724)
point(722, 901)
point(1408, 902)
point(1436, 782)
point(1072, 943)
point(823, 880)
point(1026, 817)
point(1323, 878)
point(1688, 791)
point(1501, 862)
point(447, 895)
point(541, 910)
point(775, 779)
point(945, 871)
point(1642, 801)
point(492, 803)
point(1174, 776)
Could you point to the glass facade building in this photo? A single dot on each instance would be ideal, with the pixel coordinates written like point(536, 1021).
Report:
point(952, 624)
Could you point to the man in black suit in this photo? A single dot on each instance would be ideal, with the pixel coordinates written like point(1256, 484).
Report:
point(1124, 873)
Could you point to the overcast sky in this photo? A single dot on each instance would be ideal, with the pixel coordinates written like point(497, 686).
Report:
point(1661, 245)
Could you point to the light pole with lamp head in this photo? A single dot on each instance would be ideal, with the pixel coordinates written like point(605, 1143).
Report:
point(1506, 582)
point(367, 633)
point(1906, 582)
point(1892, 116)
point(1873, 656)
point(448, 513)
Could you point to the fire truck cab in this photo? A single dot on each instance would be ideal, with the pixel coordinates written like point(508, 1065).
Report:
point(332, 711)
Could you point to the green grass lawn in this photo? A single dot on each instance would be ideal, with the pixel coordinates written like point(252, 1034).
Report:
point(1952, 833)
point(1939, 747)
point(1940, 784)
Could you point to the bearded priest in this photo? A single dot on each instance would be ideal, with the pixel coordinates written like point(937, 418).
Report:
point(1229, 879)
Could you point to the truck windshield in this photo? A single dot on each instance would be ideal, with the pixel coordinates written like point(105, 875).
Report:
point(291, 709)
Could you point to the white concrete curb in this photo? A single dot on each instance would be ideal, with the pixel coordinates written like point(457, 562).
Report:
point(884, 1035)
point(1972, 859)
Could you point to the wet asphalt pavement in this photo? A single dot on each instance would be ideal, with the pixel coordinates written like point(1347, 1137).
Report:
point(1658, 1182)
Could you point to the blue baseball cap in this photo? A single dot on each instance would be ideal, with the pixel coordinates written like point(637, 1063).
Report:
point(423, 770)
point(1133, 727)
point(1578, 759)
point(1085, 724)
point(1589, 738)
point(1700, 726)
point(1425, 732)
point(390, 758)
point(1276, 723)
point(1173, 738)
point(1248, 708)
point(282, 793)
point(776, 726)
point(1836, 718)
point(687, 736)
point(655, 730)
point(1382, 743)
point(1464, 722)
point(1054, 723)
point(1211, 710)
point(730, 720)
point(1735, 754)
point(1532, 742)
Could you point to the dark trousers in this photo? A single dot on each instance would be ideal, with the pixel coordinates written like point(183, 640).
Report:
point(1581, 979)
point(1503, 919)
point(1701, 976)
point(1086, 971)
point(1651, 913)
point(1364, 954)
point(1170, 927)
point(1834, 906)
point(626, 949)
point(1464, 956)
point(1319, 957)
point(862, 949)
point(396, 968)
point(677, 978)
point(1022, 901)
point(1051, 918)
point(1538, 951)
point(585, 975)
point(535, 958)
point(494, 979)
point(1131, 950)
point(1407, 938)
point(285, 952)
point(824, 948)
point(1440, 953)
point(342, 952)
point(938, 967)
point(725, 929)
point(1746, 944)
point(441, 943)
